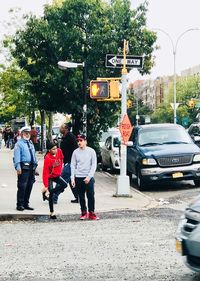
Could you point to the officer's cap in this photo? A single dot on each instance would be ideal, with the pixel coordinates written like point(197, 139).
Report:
point(25, 129)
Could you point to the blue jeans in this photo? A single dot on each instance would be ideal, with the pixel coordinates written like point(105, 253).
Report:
point(66, 174)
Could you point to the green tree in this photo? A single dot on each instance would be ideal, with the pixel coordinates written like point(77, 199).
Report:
point(16, 99)
point(80, 31)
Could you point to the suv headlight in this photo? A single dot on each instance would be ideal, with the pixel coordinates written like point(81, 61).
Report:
point(196, 158)
point(149, 161)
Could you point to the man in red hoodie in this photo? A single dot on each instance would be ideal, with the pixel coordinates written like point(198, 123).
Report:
point(53, 164)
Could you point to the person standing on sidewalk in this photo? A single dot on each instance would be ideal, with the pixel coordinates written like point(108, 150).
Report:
point(25, 163)
point(53, 163)
point(68, 145)
point(83, 167)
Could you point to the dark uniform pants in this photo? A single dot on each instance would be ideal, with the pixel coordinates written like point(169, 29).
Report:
point(25, 183)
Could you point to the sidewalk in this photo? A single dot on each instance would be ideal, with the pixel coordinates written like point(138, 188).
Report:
point(105, 188)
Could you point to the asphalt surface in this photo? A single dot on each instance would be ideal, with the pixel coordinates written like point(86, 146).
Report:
point(134, 245)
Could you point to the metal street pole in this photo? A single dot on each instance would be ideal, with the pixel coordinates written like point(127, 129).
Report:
point(174, 48)
point(123, 182)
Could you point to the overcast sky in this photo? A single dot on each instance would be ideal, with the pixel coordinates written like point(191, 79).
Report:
point(172, 16)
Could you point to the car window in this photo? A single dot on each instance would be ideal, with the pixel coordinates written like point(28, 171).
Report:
point(195, 131)
point(162, 136)
point(55, 130)
point(116, 142)
point(108, 143)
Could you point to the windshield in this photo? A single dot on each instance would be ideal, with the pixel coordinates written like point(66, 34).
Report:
point(159, 136)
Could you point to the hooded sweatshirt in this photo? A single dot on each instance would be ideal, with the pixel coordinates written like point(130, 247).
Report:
point(52, 166)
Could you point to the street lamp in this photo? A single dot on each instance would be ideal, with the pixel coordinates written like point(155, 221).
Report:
point(174, 48)
point(68, 64)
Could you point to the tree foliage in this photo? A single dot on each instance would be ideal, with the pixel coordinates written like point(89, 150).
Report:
point(80, 31)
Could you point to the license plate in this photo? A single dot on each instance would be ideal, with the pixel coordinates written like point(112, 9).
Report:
point(177, 175)
point(179, 248)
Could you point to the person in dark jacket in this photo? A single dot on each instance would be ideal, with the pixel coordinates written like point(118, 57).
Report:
point(68, 145)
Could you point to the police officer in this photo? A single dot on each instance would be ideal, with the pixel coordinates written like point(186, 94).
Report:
point(25, 163)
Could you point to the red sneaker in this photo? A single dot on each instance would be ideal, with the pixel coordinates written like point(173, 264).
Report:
point(93, 216)
point(83, 216)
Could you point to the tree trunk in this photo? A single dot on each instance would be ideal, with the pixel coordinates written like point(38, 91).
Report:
point(43, 131)
point(50, 121)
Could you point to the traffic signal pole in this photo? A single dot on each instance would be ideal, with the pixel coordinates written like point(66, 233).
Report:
point(123, 182)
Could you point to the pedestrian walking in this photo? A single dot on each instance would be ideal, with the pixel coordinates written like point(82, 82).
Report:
point(34, 137)
point(53, 163)
point(25, 163)
point(68, 144)
point(83, 167)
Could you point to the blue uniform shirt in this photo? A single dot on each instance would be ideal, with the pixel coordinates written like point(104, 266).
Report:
point(22, 153)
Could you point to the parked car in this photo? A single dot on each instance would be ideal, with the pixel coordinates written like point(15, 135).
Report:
point(110, 153)
point(188, 236)
point(194, 132)
point(162, 152)
point(56, 135)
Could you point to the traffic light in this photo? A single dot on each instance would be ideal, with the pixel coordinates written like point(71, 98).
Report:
point(191, 103)
point(114, 89)
point(129, 103)
point(99, 89)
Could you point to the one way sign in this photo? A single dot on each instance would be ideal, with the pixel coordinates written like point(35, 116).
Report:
point(118, 61)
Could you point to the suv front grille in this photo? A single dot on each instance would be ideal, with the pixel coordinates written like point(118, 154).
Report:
point(175, 160)
point(193, 261)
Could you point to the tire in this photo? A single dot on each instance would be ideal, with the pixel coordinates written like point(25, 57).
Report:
point(129, 174)
point(140, 182)
point(197, 183)
point(104, 168)
point(112, 170)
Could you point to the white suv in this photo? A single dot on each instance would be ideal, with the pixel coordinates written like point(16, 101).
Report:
point(110, 153)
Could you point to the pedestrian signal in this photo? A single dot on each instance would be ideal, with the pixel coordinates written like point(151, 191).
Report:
point(99, 89)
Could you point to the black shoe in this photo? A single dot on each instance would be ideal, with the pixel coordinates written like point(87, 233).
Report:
point(53, 217)
point(55, 202)
point(44, 197)
point(20, 208)
point(28, 208)
point(74, 201)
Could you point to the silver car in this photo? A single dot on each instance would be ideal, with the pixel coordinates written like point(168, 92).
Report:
point(188, 236)
point(110, 153)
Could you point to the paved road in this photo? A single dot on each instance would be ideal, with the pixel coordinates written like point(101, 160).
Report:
point(129, 245)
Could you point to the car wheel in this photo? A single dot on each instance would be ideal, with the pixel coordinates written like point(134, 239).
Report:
point(129, 174)
point(112, 170)
point(197, 183)
point(140, 182)
point(104, 168)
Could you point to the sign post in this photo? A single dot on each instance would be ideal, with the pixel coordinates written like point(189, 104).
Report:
point(123, 182)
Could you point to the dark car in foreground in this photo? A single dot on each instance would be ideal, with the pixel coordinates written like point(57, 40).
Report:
point(188, 236)
point(162, 152)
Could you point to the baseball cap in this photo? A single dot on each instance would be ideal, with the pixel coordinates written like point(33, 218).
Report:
point(25, 129)
point(50, 145)
point(81, 137)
